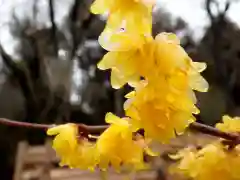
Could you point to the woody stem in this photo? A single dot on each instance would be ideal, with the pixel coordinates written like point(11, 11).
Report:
point(99, 129)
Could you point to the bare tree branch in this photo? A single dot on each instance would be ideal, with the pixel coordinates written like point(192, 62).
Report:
point(227, 5)
point(22, 77)
point(54, 27)
point(77, 27)
point(208, 8)
point(221, 13)
point(87, 129)
point(74, 26)
point(9, 62)
point(34, 62)
point(35, 10)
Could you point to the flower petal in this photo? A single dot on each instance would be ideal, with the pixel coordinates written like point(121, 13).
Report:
point(117, 81)
point(198, 83)
point(108, 61)
point(199, 67)
point(110, 118)
point(100, 6)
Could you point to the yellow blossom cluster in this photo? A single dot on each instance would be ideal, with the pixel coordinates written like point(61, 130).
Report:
point(163, 75)
point(71, 148)
point(215, 160)
point(162, 103)
point(132, 14)
point(114, 147)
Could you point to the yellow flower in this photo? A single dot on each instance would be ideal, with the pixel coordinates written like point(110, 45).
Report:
point(116, 146)
point(133, 56)
point(229, 124)
point(74, 152)
point(133, 15)
point(171, 59)
point(211, 162)
point(65, 142)
point(125, 59)
point(159, 110)
point(163, 104)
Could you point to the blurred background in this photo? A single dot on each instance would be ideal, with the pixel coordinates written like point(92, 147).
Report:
point(48, 56)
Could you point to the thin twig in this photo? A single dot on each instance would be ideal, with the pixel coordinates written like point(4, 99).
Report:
point(99, 129)
point(9, 122)
point(214, 131)
point(82, 127)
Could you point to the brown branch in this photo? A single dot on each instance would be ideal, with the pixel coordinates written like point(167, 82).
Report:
point(9, 122)
point(99, 129)
point(214, 132)
point(82, 127)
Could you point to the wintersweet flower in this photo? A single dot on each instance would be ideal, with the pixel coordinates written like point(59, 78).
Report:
point(164, 103)
point(133, 56)
point(160, 111)
point(127, 58)
point(116, 146)
point(229, 124)
point(171, 59)
point(214, 161)
point(65, 142)
point(74, 151)
point(134, 15)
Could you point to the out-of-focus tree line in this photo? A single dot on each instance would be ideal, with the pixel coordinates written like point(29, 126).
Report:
point(52, 78)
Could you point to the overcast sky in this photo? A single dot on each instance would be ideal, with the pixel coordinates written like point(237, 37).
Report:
point(190, 10)
point(23, 8)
